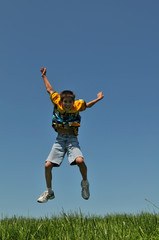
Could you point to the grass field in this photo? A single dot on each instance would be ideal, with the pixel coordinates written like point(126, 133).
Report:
point(78, 227)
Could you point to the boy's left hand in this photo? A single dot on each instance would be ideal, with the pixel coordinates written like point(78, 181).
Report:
point(100, 95)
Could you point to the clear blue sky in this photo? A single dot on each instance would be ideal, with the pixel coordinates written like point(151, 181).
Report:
point(87, 46)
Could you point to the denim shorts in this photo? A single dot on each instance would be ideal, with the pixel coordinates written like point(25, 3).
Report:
point(65, 143)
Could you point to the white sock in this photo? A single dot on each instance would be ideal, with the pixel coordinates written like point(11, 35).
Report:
point(49, 190)
point(85, 182)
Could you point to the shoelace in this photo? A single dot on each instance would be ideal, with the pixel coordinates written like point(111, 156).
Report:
point(44, 193)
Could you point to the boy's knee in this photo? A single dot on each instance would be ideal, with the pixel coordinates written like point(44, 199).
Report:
point(79, 160)
point(48, 165)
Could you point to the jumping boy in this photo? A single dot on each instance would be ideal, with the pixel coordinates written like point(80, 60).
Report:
point(65, 121)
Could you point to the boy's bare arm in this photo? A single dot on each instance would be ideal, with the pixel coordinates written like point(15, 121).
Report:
point(47, 84)
point(99, 97)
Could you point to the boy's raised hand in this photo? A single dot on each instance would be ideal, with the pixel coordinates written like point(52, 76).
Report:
point(100, 95)
point(91, 103)
point(43, 71)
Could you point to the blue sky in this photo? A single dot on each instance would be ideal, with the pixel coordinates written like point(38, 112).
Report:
point(87, 46)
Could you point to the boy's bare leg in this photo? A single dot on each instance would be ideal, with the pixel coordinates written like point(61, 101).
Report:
point(48, 174)
point(47, 195)
point(82, 167)
point(84, 184)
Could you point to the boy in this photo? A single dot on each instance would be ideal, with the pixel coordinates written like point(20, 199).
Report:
point(65, 121)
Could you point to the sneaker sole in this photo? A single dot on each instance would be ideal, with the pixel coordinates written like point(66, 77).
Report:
point(51, 198)
point(86, 198)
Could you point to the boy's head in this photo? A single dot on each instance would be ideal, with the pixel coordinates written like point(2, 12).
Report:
point(67, 99)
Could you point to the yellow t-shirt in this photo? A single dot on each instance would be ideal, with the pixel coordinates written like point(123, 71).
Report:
point(66, 119)
point(78, 106)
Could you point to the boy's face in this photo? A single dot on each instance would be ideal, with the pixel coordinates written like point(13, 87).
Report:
point(67, 103)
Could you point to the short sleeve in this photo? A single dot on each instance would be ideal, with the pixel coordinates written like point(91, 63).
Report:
point(55, 97)
point(80, 105)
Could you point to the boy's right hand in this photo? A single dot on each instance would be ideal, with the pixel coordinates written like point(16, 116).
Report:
point(43, 71)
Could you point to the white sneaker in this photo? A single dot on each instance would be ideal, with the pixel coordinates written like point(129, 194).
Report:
point(85, 189)
point(45, 197)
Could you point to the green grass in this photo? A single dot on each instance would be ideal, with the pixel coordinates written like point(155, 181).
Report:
point(78, 227)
